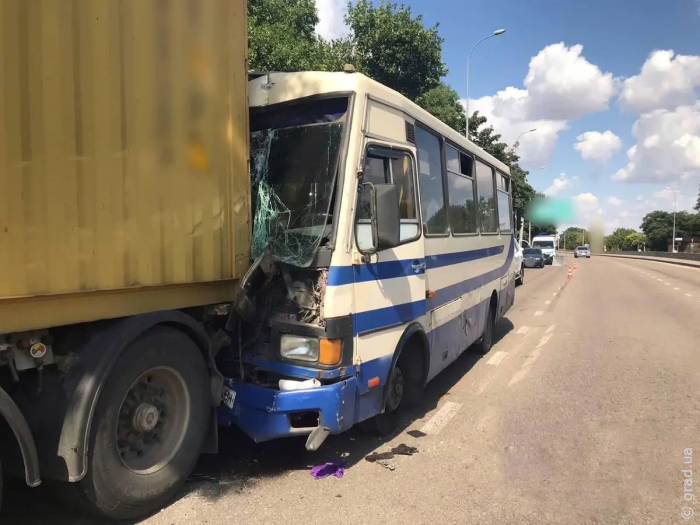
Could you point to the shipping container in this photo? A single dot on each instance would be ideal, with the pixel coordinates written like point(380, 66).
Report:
point(123, 157)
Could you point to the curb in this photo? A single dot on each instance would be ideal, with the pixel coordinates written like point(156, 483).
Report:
point(678, 262)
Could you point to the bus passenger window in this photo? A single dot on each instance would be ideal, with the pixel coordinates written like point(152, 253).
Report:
point(487, 199)
point(460, 192)
point(504, 206)
point(397, 170)
point(430, 183)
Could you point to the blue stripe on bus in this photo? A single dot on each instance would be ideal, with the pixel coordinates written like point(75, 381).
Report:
point(404, 313)
point(342, 275)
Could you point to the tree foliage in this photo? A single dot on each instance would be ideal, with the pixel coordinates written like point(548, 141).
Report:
point(282, 37)
point(697, 203)
point(573, 237)
point(394, 48)
point(658, 227)
point(624, 239)
point(443, 102)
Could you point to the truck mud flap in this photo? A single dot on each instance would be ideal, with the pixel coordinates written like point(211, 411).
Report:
point(25, 440)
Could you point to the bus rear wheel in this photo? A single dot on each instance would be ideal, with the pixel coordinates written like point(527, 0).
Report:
point(148, 427)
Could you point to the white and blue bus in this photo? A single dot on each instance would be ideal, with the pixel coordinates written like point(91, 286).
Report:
point(384, 243)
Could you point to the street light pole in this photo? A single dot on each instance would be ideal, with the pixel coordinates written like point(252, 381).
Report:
point(469, 56)
point(517, 143)
point(673, 239)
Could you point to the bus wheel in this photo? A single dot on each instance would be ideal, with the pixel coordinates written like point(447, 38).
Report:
point(148, 427)
point(483, 346)
point(386, 422)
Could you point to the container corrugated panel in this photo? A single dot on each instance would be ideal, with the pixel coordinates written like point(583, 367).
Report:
point(123, 145)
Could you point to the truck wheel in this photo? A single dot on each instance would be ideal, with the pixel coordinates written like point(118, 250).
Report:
point(148, 426)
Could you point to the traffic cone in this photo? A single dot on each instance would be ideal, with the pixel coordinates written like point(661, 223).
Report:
point(570, 275)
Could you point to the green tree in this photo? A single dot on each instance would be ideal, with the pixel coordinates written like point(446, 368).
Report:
point(282, 37)
point(573, 237)
point(443, 102)
point(394, 48)
point(658, 229)
point(617, 240)
point(634, 241)
point(697, 203)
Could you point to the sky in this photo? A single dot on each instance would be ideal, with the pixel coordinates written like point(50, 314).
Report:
point(612, 88)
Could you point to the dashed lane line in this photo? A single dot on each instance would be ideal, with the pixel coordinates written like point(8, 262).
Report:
point(497, 358)
point(443, 416)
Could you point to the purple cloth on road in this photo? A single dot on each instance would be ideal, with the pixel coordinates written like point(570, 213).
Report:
point(334, 468)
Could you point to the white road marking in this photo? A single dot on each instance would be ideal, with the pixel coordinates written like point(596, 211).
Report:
point(548, 302)
point(523, 330)
point(497, 358)
point(550, 329)
point(676, 289)
point(436, 423)
point(518, 376)
point(688, 295)
point(545, 339)
point(667, 284)
point(554, 294)
point(539, 313)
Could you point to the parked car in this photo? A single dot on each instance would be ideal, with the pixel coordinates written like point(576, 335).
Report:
point(533, 258)
point(518, 264)
point(582, 251)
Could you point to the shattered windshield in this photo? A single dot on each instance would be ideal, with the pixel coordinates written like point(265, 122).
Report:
point(294, 154)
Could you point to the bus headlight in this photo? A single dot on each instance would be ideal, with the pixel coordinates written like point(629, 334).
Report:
point(299, 348)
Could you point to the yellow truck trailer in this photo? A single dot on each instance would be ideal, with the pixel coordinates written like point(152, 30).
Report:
point(125, 221)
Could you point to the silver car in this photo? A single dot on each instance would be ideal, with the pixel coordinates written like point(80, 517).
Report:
point(582, 251)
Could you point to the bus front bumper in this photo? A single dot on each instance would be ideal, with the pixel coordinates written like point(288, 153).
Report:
point(265, 413)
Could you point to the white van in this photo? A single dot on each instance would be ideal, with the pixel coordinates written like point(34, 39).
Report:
point(547, 243)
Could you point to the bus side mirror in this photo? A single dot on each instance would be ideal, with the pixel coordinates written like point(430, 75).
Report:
point(384, 216)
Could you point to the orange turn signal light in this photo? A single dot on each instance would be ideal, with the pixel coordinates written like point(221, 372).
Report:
point(330, 351)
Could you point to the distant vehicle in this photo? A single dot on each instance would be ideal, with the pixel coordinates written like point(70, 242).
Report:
point(533, 258)
point(547, 245)
point(518, 264)
point(582, 251)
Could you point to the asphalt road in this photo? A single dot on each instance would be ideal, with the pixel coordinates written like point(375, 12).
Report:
point(584, 412)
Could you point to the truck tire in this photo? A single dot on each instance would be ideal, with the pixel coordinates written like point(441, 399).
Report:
point(148, 427)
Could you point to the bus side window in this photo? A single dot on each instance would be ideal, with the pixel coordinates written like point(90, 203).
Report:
point(394, 168)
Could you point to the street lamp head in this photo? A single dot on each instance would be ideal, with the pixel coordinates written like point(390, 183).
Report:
point(533, 129)
point(499, 32)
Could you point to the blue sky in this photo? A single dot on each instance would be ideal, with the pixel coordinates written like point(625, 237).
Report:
point(619, 78)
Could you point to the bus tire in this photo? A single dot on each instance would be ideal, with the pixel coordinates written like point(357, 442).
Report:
point(520, 280)
point(148, 427)
point(483, 346)
point(404, 387)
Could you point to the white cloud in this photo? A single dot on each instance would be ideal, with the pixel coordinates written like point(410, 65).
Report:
point(559, 184)
point(665, 82)
point(561, 85)
point(667, 148)
point(331, 18)
point(598, 147)
point(614, 201)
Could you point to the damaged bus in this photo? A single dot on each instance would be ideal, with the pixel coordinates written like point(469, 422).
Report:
point(382, 242)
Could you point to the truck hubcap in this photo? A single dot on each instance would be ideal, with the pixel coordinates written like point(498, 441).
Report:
point(153, 420)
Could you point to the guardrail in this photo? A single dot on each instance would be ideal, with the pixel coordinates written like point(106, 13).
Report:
point(669, 255)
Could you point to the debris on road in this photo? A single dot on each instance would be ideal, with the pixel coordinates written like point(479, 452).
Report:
point(334, 468)
point(382, 458)
point(404, 450)
point(416, 433)
point(377, 456)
